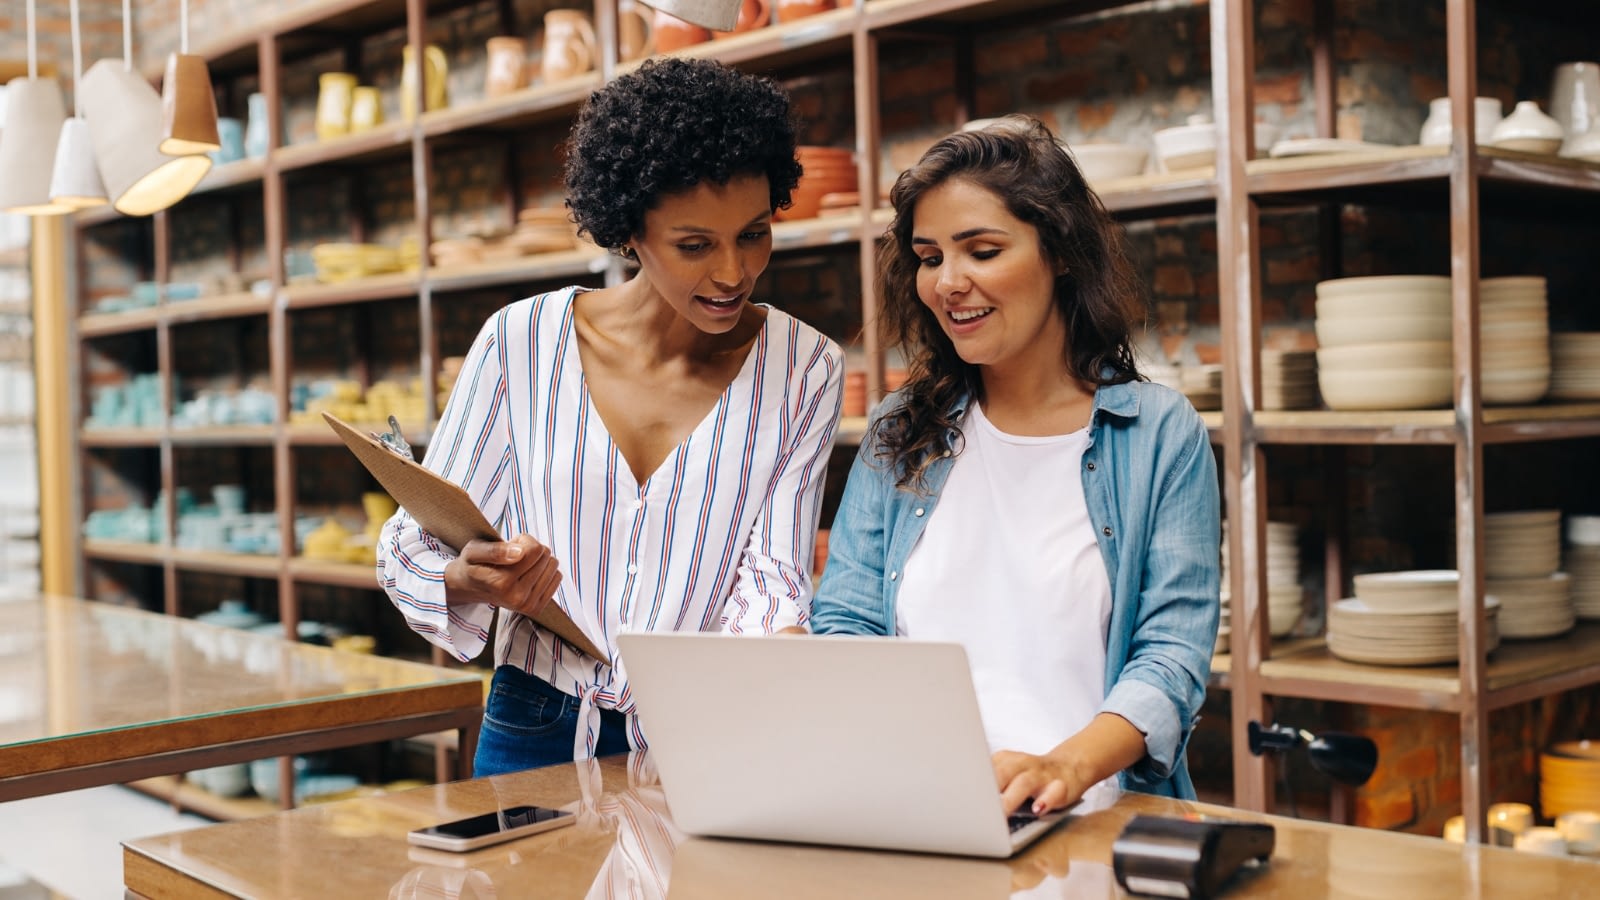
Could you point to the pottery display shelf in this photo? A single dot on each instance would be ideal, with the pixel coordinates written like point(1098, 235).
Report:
point(100, 694)
point(625, 843)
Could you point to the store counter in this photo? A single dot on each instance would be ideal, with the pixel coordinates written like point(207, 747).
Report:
point(93, 694)
point(625, 845)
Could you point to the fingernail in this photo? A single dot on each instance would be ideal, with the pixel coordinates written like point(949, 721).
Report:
point(1038, 808)
point(513, 553)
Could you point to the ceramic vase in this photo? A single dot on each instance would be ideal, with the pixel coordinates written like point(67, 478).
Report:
point(256, 138)
point(507, 70)
point(336, 93)
point(569, 44)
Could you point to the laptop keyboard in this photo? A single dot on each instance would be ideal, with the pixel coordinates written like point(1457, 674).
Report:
point(1018, 822)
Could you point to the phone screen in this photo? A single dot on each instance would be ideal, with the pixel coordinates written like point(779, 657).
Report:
point(511, 817)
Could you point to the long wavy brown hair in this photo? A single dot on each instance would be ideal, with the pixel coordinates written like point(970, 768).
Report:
point(1020, 161)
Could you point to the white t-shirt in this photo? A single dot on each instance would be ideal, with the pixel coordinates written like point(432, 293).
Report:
point(1008, 567)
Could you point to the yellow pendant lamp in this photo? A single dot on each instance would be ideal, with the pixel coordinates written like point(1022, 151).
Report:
point(34, 113)
point(124, 114)
point(188, 106)
point(75, 181)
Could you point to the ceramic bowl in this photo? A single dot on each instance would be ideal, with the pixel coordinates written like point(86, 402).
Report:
point(1104, 162)
point(1407, 354)
point(1344, 331)
point(1386, 389)
point(1190, 146)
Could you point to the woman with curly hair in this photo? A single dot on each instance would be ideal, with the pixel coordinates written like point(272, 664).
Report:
point(1025, 494)
point(656, 449)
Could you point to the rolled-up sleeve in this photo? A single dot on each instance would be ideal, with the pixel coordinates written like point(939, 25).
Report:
point(773, 589)
point(1162, 686)
point(471, 448)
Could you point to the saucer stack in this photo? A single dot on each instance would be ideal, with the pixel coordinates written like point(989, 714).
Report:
point(1202, 385)
point(1569, 778)
point(543, 230)
point(1288, 379)
point(1515, 339)
point(1284, 605)
point(1522, 551)
point(1403, 619)
point(1385, 342)
point(1575, 372)
point(1583, 565)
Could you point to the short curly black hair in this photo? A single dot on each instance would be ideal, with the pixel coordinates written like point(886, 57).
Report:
point(667, 126)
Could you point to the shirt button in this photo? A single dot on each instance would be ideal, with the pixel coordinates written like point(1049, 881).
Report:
point(919, 512)
point(1106, 531)
point(1091, 467)
point(894, 576)
point(634, 570)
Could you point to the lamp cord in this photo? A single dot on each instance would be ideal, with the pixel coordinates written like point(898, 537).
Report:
point(1288, 789)
point(77, 64)
point(33, 44)
point(183, 27)
point(127, 35)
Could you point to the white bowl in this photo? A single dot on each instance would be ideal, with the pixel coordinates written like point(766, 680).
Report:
point(1382, 305)
point(1386, 389)
point(1384, 284)
point(1104, 162)
point(1343, 331)
point(1400, 354)
point(1190, 146)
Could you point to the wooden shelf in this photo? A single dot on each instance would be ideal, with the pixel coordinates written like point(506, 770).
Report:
point(121, 437)
point(362, 290)
point(318, 434)
point(126, 551)
point(784, 44)
point(1502, 424)
point(391, 139)
point(246, 564)
point(1334, 171)
point(1163, 194)
point(529, 106)
point(239, 173)
point(823, 231)
point(1517, 672)
point(883, 14)
point(237, 435)
point(98, 324)
point(222, 306)
point(504, 273)
point(316, 571)
point(851, 432)
point(193, 798)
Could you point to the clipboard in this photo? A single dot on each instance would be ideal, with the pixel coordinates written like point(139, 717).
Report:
point(447, 512)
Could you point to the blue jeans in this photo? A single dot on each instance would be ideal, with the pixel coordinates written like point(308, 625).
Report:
point(528, 723)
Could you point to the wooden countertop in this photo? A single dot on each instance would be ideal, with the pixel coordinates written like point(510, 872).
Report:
point(625, 844)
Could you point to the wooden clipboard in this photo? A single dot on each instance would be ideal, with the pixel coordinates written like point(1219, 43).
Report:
point(445, 511)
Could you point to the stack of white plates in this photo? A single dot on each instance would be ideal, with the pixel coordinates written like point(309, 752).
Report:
point(1533, 607)
point(1575, 372)
point(1522, 544)
point(1288, 379)
point(1202, 385)
point(1515, 339)
point(1385, 342)
point(1402, 619)
point(1583, 565)
point(1284, 598)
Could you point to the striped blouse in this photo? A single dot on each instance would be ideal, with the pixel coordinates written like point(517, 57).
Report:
point(719, 537)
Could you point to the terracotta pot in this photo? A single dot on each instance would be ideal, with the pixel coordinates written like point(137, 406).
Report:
point(790, 10)
point(636, 31)
point(673, 33)
point(753, 14)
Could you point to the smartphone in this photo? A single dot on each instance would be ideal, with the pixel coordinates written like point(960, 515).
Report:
point(491, 828)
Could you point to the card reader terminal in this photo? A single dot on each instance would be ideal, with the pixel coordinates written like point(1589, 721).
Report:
point(1186, 857)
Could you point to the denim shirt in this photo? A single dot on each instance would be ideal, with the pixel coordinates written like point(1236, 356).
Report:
point(1150, 482)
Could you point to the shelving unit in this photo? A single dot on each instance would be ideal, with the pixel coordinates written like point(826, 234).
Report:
point(1235, 192)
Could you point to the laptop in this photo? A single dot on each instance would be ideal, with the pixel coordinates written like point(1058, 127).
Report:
point(868, 742)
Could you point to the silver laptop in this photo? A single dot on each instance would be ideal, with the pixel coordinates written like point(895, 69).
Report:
point(850, 741)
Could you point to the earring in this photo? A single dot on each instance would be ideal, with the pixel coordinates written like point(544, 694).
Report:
point(628, 253)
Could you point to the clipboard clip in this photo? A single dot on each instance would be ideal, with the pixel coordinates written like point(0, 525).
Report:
point(394, 442)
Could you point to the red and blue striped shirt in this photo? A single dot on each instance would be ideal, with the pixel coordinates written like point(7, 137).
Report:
point(719, 537)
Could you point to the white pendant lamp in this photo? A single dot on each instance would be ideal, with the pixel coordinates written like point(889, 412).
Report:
point(34, 113)
point(75, 182)
point(188, 107)
point(124, 114)
point(717, 15)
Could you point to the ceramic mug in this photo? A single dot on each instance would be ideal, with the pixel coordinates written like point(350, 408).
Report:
point(336, 93)
point(230, 134)
point(636, 31)
point(436, 69)
point(1575, 97)
point(569, 44)
point(366, 109)
point(507, 70)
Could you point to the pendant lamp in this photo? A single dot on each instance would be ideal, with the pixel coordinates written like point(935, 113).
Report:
point(75, 182)
point(124, 114)
point(34, 113)
point(188, 107)
point(717, 15)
